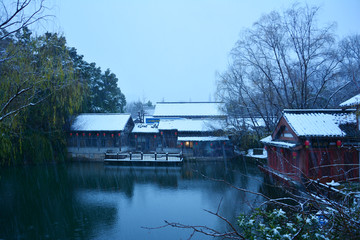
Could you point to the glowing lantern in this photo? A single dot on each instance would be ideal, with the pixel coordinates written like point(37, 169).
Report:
point(161, 133)
point(175, 133)
point(196, 143)
point(97, 134)
point(181, 143)
point(112, 135)
point(70, 134)
point(307, 143)
point(119, 134)
point(338, 143)
point(211, 144)
point(104, 134)
point(83, 134)
point(294, 154)
point(154, 136)
point(77, 134)
point(89, 134)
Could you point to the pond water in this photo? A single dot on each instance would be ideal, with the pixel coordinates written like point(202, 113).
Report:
point(97, 201)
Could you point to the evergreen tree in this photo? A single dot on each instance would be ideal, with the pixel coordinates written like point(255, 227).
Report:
point(101, 92)
point(108, 94)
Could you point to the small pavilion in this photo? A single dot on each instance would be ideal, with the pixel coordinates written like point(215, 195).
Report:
point(315, 144)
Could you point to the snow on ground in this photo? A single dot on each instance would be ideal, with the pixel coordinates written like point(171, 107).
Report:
point(333, 183)
point(252, 155)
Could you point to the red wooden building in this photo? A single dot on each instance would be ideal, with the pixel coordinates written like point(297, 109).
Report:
point(315, 144)
point(93, 134)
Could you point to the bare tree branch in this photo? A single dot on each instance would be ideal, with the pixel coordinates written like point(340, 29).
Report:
point(15, 18)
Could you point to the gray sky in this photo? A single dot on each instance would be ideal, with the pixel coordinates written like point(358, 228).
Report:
point(171, 49)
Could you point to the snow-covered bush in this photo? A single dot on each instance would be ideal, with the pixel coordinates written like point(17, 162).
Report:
point(278, 224)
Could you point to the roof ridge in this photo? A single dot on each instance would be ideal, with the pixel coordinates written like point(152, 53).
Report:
point(335, 110)
point(185, 102)
point(315, 123)
point(104, 114)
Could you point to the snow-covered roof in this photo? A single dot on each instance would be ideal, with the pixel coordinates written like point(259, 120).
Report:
point(100, 122)
point(267, 140)
point(188, 109)
point(202, 139)
point(145, 128)
point(351, 102)
point(319, 123)
point(191, 125)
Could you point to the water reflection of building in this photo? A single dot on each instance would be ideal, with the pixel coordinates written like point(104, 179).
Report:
point(316, 144)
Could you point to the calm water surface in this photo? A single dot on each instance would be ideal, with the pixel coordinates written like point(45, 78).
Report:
point(96, 201)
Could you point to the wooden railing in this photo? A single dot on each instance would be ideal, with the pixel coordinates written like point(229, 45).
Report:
point(139, 156)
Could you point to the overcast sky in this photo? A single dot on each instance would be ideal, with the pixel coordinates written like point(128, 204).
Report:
point(172, 49)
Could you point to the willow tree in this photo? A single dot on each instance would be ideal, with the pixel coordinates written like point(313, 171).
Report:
point(38, 91)
point(285, 60)
point(15, 18)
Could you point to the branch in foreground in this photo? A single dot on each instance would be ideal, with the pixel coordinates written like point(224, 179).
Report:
point(200, 229)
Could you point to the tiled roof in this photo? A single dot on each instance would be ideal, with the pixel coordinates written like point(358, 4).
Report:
point(320, 123)
point(202, 139)
point(191, 125)
point(188, 109)
point(351, 102)
point(145, 128)
point(283, 144)
point(100, 122)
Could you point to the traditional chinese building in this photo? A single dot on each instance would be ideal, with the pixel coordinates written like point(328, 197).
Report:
point(196, 137)
point(145, 137)
point(315, 144)
point(91, 135)
point(195, 128)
